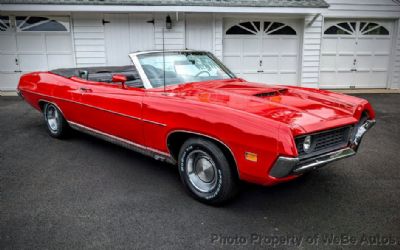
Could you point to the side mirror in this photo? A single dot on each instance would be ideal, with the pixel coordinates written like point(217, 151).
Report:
point(119, 78)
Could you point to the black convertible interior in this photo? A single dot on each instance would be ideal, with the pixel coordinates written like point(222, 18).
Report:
point(103, 74)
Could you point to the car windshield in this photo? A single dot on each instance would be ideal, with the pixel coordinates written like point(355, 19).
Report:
point(182, 67)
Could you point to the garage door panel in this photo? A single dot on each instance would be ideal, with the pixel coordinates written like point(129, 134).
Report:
point(345, 78)
point(251, 46)
point(270, 63)
point(362, 58)
point(328, 78)
point(329, 45)
point(288, 63)
point(233, 63)
point(345, 62)
point(8, 81)
point(281, 46)
point(288, 78)
point(289, 46)
point(328, 62)
point(7, 43)
point(346, 45)
point(30, 63)
point(34, 44)
point(377, 79)
point(364, 62)
point(267, 53)
point(373, 46)
point(363, 78)
point(58, 43)
point(250, 63)
point(31, 42)
point(252, 77)
point(380, 62)
point(269, 78)
point(7, 63)
point(139, 25)
point(60, 61)
point(232, 46)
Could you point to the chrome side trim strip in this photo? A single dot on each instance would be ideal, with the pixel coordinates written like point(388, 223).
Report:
point(153, 122)
point(156, 154)
point(94, 107)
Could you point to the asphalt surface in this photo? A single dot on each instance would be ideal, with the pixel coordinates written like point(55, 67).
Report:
point(86, 193)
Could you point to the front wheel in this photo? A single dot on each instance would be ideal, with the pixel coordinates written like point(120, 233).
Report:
point(205, 171)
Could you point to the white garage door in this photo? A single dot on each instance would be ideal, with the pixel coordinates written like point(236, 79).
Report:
point(32, 43)
point(356, 54)
point(127, 33)
point(263, 51)
point(199, 32)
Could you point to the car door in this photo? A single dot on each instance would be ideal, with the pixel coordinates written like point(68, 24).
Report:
point(113, 110)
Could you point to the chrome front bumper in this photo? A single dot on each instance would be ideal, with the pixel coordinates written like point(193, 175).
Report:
point(285, 166)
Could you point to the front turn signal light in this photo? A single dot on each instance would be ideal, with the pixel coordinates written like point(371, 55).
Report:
point(250, 156)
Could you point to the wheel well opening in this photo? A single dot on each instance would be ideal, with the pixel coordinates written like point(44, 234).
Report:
point(41, 105)
point(176, 140)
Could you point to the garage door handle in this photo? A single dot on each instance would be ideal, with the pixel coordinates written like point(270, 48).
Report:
point(17, 71)
point(260, 71)
point(353, 70)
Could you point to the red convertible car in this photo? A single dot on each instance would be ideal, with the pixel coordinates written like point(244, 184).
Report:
point(186, 108)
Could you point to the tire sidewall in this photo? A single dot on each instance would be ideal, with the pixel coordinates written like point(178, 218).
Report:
point(215, 193)
point(59, 122)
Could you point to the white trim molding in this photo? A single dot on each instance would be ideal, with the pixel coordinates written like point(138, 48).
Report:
point(124, 8)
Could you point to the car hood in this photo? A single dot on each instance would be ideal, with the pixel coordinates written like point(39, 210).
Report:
point(303, 109)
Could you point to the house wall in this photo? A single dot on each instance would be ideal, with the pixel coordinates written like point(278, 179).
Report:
point(175, 37)
point(90, 48)
point(311, 51)
point(88, 35)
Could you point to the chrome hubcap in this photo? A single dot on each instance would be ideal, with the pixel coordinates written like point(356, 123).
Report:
point(52, 118)
point(201, 171)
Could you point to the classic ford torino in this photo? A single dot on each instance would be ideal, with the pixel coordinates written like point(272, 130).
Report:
point(185, 107)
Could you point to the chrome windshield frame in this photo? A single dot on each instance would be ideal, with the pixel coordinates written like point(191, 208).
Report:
point(146, 82)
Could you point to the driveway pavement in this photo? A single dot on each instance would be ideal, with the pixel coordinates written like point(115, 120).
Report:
point(87, 193)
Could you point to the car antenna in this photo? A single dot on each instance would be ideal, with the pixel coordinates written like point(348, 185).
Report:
point(163, 54)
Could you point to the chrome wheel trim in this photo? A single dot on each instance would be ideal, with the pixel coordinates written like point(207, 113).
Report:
point(52, 118)
point(201, 171)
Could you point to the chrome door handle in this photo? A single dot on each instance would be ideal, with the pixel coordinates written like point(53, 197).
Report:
point(83, 89)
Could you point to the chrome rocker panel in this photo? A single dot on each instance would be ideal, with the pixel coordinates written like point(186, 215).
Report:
point(154, 153)
point(285, 166)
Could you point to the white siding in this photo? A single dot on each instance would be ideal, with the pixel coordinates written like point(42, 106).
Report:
point(395, 81)
point(218, 29)
point(175, 37)
point(311, 51)
point(88, 31)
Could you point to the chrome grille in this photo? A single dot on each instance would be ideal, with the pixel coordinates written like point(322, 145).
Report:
point(324, 141)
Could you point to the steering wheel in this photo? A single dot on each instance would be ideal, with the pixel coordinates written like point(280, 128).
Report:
point(201, 72)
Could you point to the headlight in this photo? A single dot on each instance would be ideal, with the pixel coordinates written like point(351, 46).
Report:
point(307, 144)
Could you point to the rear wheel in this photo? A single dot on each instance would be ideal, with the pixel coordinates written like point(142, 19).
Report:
point(205, 171)
point(57, 126)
